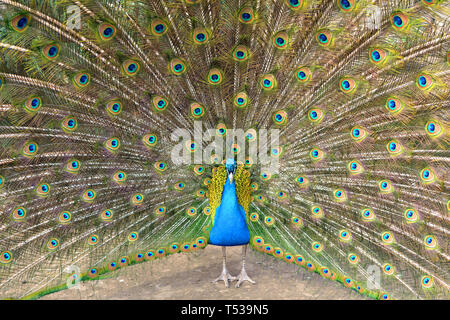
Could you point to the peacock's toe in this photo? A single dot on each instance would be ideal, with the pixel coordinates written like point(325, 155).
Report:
point(225, 276)
point(243, 276)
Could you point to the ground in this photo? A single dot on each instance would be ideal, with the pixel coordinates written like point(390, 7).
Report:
point(188, 276)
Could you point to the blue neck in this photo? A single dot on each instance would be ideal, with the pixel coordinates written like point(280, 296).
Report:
point(230, 222)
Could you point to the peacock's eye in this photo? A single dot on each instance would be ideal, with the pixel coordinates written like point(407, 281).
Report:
point(246, 15)
point(177, 66)
point(215, 76)
point(22, 22)
point(200, 37)
point(376, 55)
point(345, 4)
point(268, 82)
point(346, 85)
point(422, 81)
point(280, 40)
point(108, 32)
point(293, 4)
point(397, 20)
point(81, 80)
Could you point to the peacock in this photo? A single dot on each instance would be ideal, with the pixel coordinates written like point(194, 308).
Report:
point(311, 131)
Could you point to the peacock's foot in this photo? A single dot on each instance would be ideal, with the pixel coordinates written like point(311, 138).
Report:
point(225, 277)
point(243, 277)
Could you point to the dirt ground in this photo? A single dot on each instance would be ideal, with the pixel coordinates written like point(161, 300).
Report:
point(188, 276)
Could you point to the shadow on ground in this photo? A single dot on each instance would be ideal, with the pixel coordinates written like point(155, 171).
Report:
point(188, 276)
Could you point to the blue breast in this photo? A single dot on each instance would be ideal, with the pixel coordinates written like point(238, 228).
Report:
point(230, 222)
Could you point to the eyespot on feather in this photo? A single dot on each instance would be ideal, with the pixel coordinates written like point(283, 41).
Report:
point(215, 76)
point(281, 40)
point(158, 27)
point(30, 149)
point(268, 82)
point(33, 104)
point(200, 36)
point(51, 51)
point(81, 80)
point(241, 53)
point(325, 38)
point(69, 124)
point(177, 66)
point(106, 31)
point(114, 107)
point(20, 22)
point(246, 15)
point(112, 144)
point(131, 67)
point(296, 4)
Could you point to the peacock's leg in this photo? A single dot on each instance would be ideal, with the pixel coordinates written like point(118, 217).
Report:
point(225, 276)
point(243, 275)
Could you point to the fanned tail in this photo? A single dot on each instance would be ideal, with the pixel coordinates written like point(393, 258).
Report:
point(94, 177)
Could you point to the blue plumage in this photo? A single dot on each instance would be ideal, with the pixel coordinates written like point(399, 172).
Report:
point(230, 226)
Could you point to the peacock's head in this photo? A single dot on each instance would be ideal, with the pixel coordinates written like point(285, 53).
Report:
point(230, 165)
